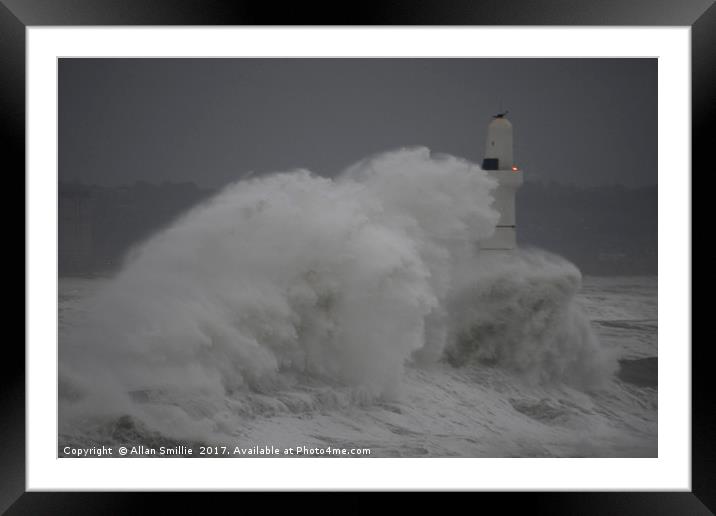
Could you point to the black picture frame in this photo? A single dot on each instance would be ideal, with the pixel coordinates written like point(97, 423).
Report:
point(16, 15)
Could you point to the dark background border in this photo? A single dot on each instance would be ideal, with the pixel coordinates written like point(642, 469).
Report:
point(15, 15)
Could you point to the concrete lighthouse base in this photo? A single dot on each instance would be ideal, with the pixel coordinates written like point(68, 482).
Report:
point(505, 236)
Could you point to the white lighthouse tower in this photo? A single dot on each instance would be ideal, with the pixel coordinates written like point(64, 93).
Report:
point(499, 165)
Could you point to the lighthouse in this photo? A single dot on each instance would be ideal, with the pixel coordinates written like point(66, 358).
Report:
point(499, 165)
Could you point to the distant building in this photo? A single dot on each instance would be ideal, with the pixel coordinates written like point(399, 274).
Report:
point(75, 228)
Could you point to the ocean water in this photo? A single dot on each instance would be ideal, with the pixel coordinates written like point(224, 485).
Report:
point(298, 311)
point(472, 411)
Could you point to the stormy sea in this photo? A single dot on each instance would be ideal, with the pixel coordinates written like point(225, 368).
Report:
point(293, 310)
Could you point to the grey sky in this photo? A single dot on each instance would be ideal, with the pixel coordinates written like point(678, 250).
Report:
point(209, 121)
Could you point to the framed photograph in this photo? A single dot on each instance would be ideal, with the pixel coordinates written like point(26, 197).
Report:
point(428, 246)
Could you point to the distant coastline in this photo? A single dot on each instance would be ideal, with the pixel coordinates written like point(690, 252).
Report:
point(605, 231)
